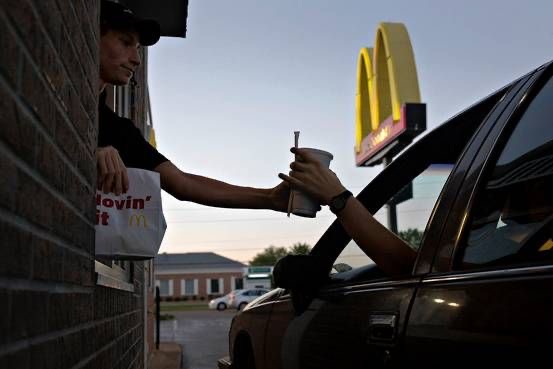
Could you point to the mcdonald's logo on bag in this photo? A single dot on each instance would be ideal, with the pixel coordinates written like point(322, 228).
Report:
point(388, 108)
point(136, 219)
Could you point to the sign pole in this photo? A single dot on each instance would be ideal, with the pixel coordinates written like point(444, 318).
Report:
point(392, 210)
point(157, 317)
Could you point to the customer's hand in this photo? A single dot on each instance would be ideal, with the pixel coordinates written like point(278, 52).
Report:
point(309, 176)
point(112, 173)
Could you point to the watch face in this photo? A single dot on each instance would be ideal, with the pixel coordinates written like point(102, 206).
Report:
point(339, 202)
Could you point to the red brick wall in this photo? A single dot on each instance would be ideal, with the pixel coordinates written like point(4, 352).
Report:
point(52, 314)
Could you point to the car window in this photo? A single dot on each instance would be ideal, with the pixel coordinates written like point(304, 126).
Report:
point(512, 215)
point(420, 164)
point(414, 204)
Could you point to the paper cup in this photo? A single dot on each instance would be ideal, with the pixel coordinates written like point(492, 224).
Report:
point(302, 204)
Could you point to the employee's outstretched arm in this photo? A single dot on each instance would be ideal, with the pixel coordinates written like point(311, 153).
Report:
point(211, 192)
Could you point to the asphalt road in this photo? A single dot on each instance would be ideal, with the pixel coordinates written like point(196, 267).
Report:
point(202, 334)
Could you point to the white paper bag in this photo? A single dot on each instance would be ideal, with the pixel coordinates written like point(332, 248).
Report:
point(131, 225)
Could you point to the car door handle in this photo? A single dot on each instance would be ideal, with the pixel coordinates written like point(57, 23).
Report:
point(382, 327)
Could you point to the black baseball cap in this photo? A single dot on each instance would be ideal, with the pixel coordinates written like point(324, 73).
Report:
point(119, 17)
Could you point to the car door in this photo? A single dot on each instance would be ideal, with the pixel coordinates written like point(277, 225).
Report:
point(359, 319)
point(488, 297)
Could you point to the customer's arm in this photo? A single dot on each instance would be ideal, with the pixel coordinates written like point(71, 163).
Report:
point(393, 255)
point(389, 252)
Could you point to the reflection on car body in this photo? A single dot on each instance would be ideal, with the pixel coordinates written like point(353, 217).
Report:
point(480, 290)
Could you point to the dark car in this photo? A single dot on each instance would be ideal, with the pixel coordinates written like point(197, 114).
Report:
point(481, 289)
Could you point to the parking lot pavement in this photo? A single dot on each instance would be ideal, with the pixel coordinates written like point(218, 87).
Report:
point(202, 334)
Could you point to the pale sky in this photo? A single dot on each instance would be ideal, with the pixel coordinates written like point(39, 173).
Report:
point(227, 99)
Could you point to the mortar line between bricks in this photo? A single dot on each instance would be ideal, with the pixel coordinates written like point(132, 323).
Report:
point(23, 224)
point(25, 109)
point(90, 28)
point(31, 61)
point(88, 6)
point(18, 284)
point(136, 342)
point(48, 37)
point(85, 361)
point(27, 343)
point(82, 39)
point(6, 152)
point(72, 46)
point(93, 33)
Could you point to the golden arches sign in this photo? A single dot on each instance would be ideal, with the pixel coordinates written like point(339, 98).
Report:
point(386, 82)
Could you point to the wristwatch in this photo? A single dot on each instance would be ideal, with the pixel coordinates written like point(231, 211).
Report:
point(338, 202)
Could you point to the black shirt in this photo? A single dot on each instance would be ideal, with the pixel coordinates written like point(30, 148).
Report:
point(122, 134)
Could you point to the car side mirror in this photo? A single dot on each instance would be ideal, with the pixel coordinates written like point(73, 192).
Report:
point(342, 267)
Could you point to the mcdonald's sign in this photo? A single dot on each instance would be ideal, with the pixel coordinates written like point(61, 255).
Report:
point(388, 108)
point(136, 219)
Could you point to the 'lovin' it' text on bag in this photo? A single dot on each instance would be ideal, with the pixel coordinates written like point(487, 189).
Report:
point(131, 225)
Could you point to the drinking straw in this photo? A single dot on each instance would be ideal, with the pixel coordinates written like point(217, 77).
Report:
point(291, 196)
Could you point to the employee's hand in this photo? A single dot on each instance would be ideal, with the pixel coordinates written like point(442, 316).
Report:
point(279, 196)
point(309, 176)
point(112, 173)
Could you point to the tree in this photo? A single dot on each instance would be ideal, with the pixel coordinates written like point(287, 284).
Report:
point(412, 236)
point(300, 248)
point(271, 254)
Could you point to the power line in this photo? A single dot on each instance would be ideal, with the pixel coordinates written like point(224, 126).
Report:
point(256, 239)
point(399, 211)
point(230, 250)
point(235, 250)
point(240, 220)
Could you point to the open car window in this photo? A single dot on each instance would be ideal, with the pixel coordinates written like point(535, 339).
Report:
point(425, 166)
point(414, 204)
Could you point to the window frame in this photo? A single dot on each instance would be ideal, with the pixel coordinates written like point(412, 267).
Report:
point(234, 281)
point(183, 286)
point(432, 148)
point(170, 287)
point(120, 274)
point(114, 276)
point(210, 289)
point(500, 141)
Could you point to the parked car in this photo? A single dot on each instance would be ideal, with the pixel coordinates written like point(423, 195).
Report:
point(480, 292)
point(221, 303)
point(241, 298)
